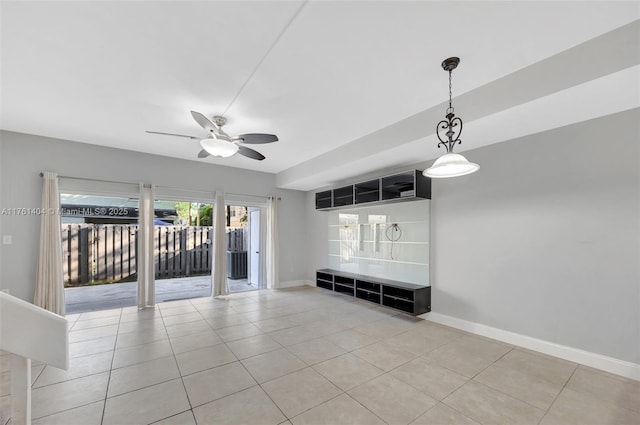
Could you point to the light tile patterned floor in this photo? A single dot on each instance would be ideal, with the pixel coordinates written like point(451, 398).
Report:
point(307, 356)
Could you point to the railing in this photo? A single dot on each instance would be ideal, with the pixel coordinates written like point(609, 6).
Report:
point(29, 332)
point(103, 253)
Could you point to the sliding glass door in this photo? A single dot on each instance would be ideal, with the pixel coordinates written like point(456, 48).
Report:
point(245, 266)
point(101, 231)
point(183, 249)
point(99, 251)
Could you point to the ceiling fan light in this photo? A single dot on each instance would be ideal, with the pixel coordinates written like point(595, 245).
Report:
point(451, 165)
point(219, 148)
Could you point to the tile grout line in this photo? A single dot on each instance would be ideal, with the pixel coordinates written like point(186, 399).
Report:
point(575, 369)
point(68, 380)
point(489, 386)
point(106, 392)
point(262, 389)
point(491, 364)
point(175, 360)
point(514, 348)
point(469, 379)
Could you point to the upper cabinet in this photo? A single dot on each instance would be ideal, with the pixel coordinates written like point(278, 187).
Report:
point(411, 184)
point(405, 186)
point(323, 200)
point(368, 191)
point(343, 196)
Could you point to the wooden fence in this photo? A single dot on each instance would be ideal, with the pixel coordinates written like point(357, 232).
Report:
point(101, 253)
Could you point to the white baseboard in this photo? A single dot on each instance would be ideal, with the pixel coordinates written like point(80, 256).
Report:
point(598, 361)
point(292, 283)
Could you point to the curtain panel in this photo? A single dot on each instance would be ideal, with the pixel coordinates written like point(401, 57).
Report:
point(219, 258)
point(273, 278)
point(49, 292)
point(146, 287)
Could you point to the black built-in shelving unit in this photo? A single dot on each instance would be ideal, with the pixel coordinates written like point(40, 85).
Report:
point(343, 196)
point(399, 187)
point(324, 280)
point(368, 191)
point(405, 185)
point(324, 200)
point(407, 297)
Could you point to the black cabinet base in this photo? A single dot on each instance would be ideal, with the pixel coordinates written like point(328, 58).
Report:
point(407, 297)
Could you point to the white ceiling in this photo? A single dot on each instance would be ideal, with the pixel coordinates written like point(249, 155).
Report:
point(349, 87)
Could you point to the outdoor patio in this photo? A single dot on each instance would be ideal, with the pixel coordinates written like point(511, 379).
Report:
point(103, 297)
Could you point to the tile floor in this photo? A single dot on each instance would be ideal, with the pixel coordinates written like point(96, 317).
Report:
point(308, 356)
point(115, 295)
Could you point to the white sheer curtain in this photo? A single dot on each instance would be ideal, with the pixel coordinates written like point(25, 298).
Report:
point(49, 293)
point(219, 258)
point(146, 289)
point(273, 280)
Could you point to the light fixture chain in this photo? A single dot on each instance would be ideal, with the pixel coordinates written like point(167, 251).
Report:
point(449, 129)
point(450, 92)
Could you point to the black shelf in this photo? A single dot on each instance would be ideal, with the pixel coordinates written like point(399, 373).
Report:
point(324, 276)
point(406, 186)
point(408, 297)
point(324, 284)
point(411, 184)
point(368, 191)
point(344, 281)
point(343, 285)
point(398, 304)
point(368, 291)
point(363, 294)
point(368, 286)
point(323, 200)
point(398, 293)
point(398, 298)
point(343, 196)
point(324, 280)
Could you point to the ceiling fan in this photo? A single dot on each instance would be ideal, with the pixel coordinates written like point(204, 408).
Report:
point(219, 143)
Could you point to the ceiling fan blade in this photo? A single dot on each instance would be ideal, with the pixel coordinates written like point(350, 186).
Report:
point(257, 138)
point(173, 134)
point(250, 153)
point(204, 122)
point(203, 154)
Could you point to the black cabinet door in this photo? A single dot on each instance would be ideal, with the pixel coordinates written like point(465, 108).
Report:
point(343, 196)
point(368, 191)
point(323, 200)
point(399, 186)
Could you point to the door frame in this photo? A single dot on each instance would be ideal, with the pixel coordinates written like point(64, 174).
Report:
point(262, 208)
point(262, 277)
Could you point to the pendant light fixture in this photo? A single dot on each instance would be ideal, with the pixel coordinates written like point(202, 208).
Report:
point(448, 132)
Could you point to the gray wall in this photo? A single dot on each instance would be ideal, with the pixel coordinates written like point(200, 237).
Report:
point(544, 240)
point(23, 156)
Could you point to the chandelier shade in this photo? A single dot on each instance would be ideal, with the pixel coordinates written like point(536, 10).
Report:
point(451, 165)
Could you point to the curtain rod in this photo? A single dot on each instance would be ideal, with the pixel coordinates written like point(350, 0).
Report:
point(164, 187)
point(92, 180)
